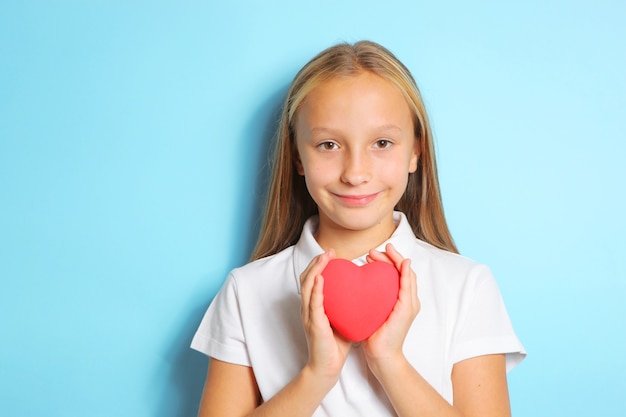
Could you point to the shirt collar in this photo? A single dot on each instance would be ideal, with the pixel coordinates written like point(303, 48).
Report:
point(307, 247)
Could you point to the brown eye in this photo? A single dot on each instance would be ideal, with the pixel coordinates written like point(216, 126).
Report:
point(327, 146)
point(382, 143)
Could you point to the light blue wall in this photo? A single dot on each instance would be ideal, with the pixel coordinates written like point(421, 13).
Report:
point(133, 133)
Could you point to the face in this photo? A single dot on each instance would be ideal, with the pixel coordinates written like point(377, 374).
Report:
point(356, 148)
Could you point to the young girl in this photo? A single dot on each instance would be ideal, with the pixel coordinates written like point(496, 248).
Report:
point(354, 177)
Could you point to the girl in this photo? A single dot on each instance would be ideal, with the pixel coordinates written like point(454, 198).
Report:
point(354, 176)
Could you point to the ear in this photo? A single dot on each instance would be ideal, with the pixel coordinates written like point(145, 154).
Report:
point(415, 155)
point(298, 162)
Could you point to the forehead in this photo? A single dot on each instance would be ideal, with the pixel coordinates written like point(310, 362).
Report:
point(365, 97)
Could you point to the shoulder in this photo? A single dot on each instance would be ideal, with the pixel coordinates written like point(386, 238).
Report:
point(270, 262)
point(431, 263)
point(451, 259)
point(269, 271)
point(448, 267)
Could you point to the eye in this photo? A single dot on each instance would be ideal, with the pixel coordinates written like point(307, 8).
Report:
point(327, 146)
point(382, 143)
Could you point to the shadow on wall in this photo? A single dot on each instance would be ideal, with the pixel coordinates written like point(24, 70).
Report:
point(256, 153)
point(187, 371)
point(188, 367)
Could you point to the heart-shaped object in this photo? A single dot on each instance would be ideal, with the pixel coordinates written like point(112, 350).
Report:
point(358, 299)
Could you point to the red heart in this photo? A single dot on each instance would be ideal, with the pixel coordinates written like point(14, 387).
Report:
point(358, 300)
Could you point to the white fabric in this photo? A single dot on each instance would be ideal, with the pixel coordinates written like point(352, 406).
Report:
point(255, 321)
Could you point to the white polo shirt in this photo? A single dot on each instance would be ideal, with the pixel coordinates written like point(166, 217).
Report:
point(255, 321)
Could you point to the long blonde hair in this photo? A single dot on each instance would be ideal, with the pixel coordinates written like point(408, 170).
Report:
point(289, 204)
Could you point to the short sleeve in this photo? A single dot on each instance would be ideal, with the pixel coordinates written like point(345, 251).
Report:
point(484, 326)
point(220, 334)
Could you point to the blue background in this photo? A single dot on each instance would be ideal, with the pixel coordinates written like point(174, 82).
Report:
point(133, 143)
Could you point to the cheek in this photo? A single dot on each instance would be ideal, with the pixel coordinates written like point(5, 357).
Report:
point(317, 179)
point(317, 175)
point(396, 175)
point(413, 163)
point(316, 182)
point(396, 166)
point(317, 168)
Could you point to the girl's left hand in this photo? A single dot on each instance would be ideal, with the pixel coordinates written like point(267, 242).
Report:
point(386, 343)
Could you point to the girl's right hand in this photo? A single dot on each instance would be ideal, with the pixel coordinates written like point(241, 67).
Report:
point(328, 350)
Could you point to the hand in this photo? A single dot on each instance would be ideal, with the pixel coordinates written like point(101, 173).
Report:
point(328, 350)
point(386, 343)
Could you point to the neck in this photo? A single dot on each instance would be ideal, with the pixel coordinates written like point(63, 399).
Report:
point(350, 244)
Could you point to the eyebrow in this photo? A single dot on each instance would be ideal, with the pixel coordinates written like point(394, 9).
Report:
point(383, 129)
point(322, 131)
point(389, 127)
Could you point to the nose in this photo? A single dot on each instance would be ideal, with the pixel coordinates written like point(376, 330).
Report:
point(356, 168)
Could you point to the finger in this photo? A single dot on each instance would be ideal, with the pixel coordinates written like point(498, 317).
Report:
point(306, 286)
point(322, 263)
point(316, 305)
point(395, 256)
point(310, 267)
point(307, 279)
point(406, 288)
point(375, 255)
point(408, 285)
point(315, 267)
point(318, 263)
point(405, 271)
point(317, 294)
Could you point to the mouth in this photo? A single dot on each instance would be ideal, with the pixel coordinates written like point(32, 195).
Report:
point(356, 200)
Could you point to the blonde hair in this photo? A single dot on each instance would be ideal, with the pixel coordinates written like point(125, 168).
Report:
point(289, 204)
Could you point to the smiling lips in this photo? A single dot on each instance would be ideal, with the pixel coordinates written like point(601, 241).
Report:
point(356, 200)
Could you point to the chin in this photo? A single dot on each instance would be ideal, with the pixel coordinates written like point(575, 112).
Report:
point(357, 223)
